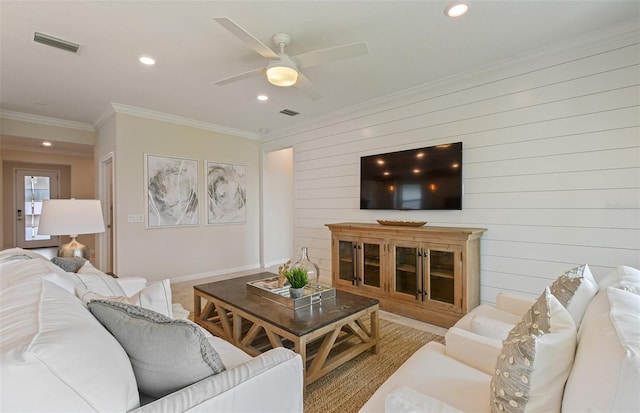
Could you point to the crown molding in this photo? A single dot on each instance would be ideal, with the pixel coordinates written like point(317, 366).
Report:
point(179, 120)
point(44, 120)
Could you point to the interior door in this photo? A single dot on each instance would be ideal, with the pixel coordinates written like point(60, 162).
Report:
point(32, 187)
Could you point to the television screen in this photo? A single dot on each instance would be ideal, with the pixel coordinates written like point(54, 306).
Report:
point(424, 178)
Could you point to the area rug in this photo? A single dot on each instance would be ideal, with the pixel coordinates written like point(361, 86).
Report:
point(347, 388)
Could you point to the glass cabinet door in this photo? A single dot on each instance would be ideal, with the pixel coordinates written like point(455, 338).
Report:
point(346, 261)
point(407, 269)
point(371, 264)
point(441, 276)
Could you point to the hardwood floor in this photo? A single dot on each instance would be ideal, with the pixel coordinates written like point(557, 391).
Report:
point(183, 293)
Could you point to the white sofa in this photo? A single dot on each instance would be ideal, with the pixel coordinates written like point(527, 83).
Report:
point(55, 356)
point(589, 366)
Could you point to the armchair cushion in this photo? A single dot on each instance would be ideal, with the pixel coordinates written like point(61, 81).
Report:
point(514, 304)
point(535, 360)
point(407, 400)
point(474, 350)
point(166, 354)
point(489, 327)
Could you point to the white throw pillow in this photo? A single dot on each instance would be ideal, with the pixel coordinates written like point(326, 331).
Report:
point(535, 360)
point(575, 289)
point(606, 372)
point(622, 277)
point(96, 281)
point(156, 296)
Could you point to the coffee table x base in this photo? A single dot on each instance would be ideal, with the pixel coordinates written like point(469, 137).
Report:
point(347, 336)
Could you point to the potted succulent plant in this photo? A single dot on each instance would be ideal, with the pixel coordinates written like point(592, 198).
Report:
point(297, 278)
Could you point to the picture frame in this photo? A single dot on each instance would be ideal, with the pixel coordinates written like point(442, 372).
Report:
point(171, 191)
point(225, 192)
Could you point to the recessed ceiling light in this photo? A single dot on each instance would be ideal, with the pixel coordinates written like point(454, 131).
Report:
point(146, 60)
point(264, 130)
point(456, 9)
point(263, 97)
point(47, 143)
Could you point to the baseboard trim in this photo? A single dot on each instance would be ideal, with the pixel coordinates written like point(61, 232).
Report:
point(212, 274)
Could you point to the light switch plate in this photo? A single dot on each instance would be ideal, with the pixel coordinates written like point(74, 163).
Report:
point(135, 218)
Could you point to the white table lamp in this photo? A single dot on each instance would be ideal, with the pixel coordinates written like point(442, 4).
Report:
point(71, 217)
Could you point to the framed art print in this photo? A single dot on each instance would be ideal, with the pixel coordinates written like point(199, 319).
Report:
point(171, 189)
point(226, 189)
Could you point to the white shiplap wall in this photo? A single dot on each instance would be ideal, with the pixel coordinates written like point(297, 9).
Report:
point(551, 162)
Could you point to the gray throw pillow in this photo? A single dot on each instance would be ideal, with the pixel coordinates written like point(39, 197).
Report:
point(166, 354)
point(71, 264)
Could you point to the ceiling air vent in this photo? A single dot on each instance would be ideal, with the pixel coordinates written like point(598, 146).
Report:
point(55, 42)
point(289, 112)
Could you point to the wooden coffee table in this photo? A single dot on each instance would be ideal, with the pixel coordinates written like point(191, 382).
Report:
point(326, 334)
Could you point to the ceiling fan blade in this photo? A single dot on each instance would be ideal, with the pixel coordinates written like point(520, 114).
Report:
point(240, 76)
point(331, 54)
point(307, 87)
point(261, 48)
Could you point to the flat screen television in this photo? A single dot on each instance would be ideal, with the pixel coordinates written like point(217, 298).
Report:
point(417, 179)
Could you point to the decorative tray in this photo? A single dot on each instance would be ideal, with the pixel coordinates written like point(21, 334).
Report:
point(402, 223)
point(268, 288)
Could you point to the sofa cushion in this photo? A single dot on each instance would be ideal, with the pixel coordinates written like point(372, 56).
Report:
point(574, 289)
point(18, 265)
point(623, 277)
point(535, 360)
point(166, 354)
point(156, 297)
point(54, 349)
point(606, 372)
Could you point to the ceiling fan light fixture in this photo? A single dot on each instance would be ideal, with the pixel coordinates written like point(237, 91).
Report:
point(282, 73)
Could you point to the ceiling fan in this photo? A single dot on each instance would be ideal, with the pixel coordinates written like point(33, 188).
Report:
point(284, 70)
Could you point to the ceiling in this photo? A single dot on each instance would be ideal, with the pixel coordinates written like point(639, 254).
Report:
point(411, 43)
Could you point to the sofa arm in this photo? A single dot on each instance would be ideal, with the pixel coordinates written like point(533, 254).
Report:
point(271, 382)
point(515, 304)
point(131, 285)
point(473, 349)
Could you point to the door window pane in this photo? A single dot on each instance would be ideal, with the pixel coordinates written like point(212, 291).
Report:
point(37, 189)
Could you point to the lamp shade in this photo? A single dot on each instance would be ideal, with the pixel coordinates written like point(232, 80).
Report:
point(71, 217)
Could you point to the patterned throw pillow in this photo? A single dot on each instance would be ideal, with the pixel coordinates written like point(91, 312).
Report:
point(575, 289)
point(535, 360)
point(71, 264)
point(166, 354)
